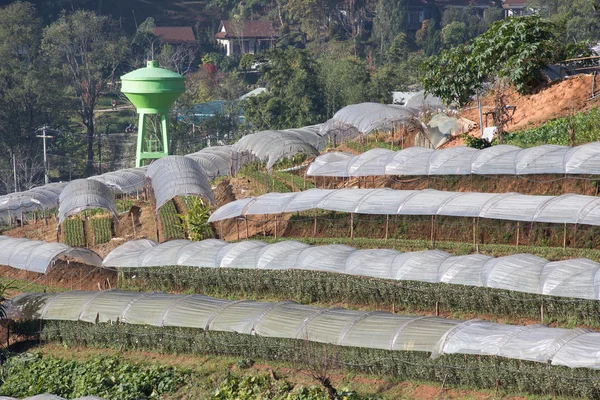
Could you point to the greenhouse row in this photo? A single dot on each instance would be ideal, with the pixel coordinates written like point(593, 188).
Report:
point(575, 278)
point(289, 320)
point(37, 256)
point(215, 161)
point(272, 146)
point(495, 160)
point(178, 176)
point(565, 209)
point(85, 194)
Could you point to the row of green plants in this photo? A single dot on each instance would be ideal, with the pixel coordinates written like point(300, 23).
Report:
point(441, 228)
point(30, 374)
point(358, 291)
point(266, 182)
point(583, 125)
point(74, 233)
point(172, 227)
point(450, 370)
point(102, 229)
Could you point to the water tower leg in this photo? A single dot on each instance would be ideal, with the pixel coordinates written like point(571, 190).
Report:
point(140, 140)
point(164, 122)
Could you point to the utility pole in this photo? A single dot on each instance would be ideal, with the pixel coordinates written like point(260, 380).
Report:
point(44, 137)
point(15, 172)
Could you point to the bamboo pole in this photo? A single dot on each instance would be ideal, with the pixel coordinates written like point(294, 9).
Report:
point(237, 225)
point(246, 219)
point(518, 233)
point(474, 236)
point(432, 230)
point(276, 227)
point(387, 225)
point(352, 227)
point(565, 237)
point(315, 225)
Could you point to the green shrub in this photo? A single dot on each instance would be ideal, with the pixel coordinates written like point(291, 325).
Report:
point(107, 377)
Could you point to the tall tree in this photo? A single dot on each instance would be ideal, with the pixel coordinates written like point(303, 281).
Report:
point(88, 49)
point(391, 18)
point(29, 96)
point(295, 94)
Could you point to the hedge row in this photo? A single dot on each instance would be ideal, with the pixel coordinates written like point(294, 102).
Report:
point(465, 370)
point(310, 286)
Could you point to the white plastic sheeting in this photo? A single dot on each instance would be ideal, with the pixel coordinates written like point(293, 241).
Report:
point(568, 208)
point(124, 181)
point(577, 278)
point(273, 146)
point(289, 320)
point(37, 256)
point(39, 198)
point(178, 176)
point(495, 160)
point(363, 118)
point(220, 160)
point(85, 194)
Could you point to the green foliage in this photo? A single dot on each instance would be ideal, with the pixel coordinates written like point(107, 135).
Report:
point(577, 19)
point(172, 227)
point(466, 370)
point(454, 34)
point(391, 19)
point(476, 142)
point(295, 97)
point(345, 81)
point(107, 377)
point(412, 296)
point(73, 232)
point(195, 220)
point(516, 48)
point(452, 75)
point(585, 126)
point(102, 229)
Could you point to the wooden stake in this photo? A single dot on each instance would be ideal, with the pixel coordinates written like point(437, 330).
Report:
point(133, 225)
point(315, 225)
point(304, 180)
point(432, 230)
point(221, 229)
point(518, 233)
point(237, 225)
point(387, 225)
point(565, 237)
point(352, 227)
point(276, 227)
point(474, 236)
point(246, 219)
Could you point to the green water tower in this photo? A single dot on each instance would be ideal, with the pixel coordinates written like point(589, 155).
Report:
point(152, 90)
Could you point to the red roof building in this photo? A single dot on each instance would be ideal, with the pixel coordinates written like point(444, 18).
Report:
point(246, 36)
point(175, 34)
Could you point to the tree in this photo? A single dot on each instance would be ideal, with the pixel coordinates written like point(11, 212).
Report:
point(345, 81)
point(87, 49)
point(399, 49)
point(454, 33)
point(391, 18)
point(578, 20)
point(30, 96)
point(295, 94)
point(516, 49)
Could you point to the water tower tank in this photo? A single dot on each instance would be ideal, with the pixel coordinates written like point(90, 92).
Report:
point(152, 90)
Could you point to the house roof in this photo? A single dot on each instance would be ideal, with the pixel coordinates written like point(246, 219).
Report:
point(246, 29)
point(513, 3)
point(465, 3)
point(175, 34)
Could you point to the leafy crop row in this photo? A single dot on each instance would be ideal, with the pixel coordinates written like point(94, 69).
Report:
point(171, 223)
point(107, 377)
point(102, 229)
point(74, 234)
point(310, 286)
point(468, 370)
